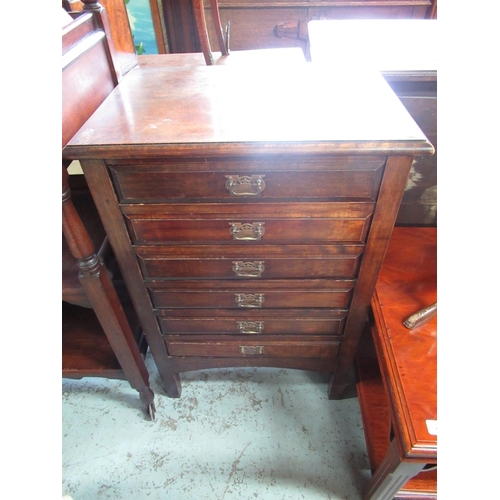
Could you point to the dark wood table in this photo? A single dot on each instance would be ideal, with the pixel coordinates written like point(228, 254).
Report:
point(399, 403)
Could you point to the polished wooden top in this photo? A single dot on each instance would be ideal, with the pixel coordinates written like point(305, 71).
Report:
point(249, 110)
point(408, 358)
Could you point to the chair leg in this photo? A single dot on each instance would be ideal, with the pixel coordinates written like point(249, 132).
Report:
point(223, 41)
point(201, 28)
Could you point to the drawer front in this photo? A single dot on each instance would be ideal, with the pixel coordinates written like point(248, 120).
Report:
point(338, 178)
point(328, 222)
point(244, 346)
point(249, 295)
point(237, 229)
point(249, 262)
point(264, 322)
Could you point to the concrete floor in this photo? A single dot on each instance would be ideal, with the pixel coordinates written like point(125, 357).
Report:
point(234, 434)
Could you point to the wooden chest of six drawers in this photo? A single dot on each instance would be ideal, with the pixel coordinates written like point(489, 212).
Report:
point(249, 231)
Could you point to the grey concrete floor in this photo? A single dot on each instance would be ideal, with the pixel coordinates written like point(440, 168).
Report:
point(234, 434)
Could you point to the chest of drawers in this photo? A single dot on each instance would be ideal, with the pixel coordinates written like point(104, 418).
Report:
point(249, 228)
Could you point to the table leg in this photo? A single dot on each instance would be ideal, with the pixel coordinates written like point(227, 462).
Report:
point(392, 474)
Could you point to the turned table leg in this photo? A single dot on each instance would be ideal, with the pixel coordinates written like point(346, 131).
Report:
point(104, 300)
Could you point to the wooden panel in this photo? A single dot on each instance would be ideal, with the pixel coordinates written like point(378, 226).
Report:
point(121, 33)
point(328, 182)
point(181, 364)
point(162, 230)
point(407, 283)
point(375, 413)
point(243, 346)
point(243, 295)
point(86, 351)
point(118, 29)
point(273, 222)
point(78, 103)
point(217, 262)
point(257, 322)
point(212, 120)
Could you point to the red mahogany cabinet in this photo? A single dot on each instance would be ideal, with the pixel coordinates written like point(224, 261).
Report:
point(250, 230)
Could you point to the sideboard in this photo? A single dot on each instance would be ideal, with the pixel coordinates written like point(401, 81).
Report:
point(249, 229)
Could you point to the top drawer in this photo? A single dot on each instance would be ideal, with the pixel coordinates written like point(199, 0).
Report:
point(336, 178)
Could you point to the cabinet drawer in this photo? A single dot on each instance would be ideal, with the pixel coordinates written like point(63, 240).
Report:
point(328, 222)
point(237, 229)
point(249, 262)
point(256, 322)
point(244, 346)
point(219, 294)
point(335, 178)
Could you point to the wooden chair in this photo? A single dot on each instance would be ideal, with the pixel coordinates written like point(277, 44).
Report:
point(259, 56)
point(122, 37)
point(98, 337)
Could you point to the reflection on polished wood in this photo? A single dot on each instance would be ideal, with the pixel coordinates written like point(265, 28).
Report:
point(405, 404)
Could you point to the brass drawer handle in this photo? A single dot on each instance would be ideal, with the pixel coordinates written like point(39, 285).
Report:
point(247, 231)
point(249, 299)
point(243, 185)
point(248, 269)
point(250, 327)
point(249, 350)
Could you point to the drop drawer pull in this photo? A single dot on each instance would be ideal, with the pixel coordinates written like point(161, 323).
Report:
point(249, 299)
point(247, 231)
point(250, 350)
point(250, 327)
point(244, 185)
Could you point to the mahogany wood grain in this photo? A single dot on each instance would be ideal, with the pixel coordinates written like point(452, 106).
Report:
point(121, 34)
point(407, 283)
point(256, 322)
point(397, 369)
point(155, 123)
point(95, 64)
point(304, 181)
point(373, 400)
point(117, 28)
point(391, 192)
point(86, 350)
point(270, 294)
point(102, 190)
point(103, 298)
point(193, 363)
point(88, 56)
point(375, 413)
point(159, 230)
point(352, 151)
point(72, 290)
point(278, 262)
point(235, 347)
